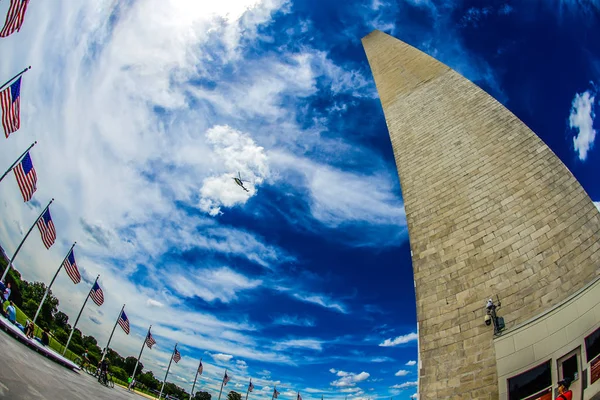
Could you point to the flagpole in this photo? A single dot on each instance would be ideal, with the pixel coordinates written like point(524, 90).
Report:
point(79, 315)
point(274, 390)
point(111, 334)
point(17, 161)
point(195, 378)
point(51, 282)
point(15, 77)
point(248, 390)
point(140, 356)
point(167, 374)
point(9, 265)
point(223, 381)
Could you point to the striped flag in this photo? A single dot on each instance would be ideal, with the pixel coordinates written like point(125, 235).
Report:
point(10, 102)
point(150, 340)
point(200, 368)
point(71, 268)
point(26, 177)
point(14, 17)
point(124, 322)
point(97, 294)
point(299, 397)
point(275, 393)
point(250, 386)
point(46, 227)
point(225, 379)
point(176, 356)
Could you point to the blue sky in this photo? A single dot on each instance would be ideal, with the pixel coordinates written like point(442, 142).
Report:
point(145, 110)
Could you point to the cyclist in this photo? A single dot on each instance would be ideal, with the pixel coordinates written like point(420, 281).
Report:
point(85, 360)
point(103, 371)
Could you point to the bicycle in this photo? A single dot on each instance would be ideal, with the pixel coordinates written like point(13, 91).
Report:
point(106, 379)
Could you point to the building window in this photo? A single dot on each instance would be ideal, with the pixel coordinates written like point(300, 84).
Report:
point(530, 383)
point(570, 369)
point(592, 345)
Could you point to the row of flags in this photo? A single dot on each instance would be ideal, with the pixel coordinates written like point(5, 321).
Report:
point(10, 106)
point(26, 176)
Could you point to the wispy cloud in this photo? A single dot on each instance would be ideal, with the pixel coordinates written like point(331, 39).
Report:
point(402, 372)
point(293, 320)
point(399, 340)
point(582, 120)
point(321, 300)
point(312, 344)
point(411, 363)
point(405, 385)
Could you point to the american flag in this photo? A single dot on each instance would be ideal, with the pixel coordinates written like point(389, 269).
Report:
point(124, 322)
point(150, 340)
point(10, 101)
point(26, 177)
point(200, 368)
point(275, 393)
point(46, 227)
point(14, 17)
point(176, 356)
point(299, 397)
point(97, 294)
point(225, 379)
point(250, 386)
point(71, 268)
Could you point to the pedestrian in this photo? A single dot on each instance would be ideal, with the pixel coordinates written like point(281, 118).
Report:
point(563, 390)
point(45, 337)
point(12, 312)
point(29, 328)
point(7, 291)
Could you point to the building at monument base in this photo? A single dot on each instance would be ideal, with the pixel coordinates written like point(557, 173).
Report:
point(563, 342)
point(491, 213)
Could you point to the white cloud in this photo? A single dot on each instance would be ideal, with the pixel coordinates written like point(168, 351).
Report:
point(411, 363)
point(222, 284)
point(222, 357)
point(402, 372)
point(321, 300)
point(238, 155)
point(381, 359)
point(399, 340)
point(349, 379)
point(312, 344)
point(582, 119)
point(414, 396)
point(332, 370)
point(339, 197)
point(292, 320)
point(405, 385)
point(241, 364)
point(154, 303)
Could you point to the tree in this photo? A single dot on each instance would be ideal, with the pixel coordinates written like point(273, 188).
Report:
point(32, 294)
point(234, 396)
point(130, 365)
point(202, 396)
point(119, 373)
point(61, 320)
point(147, 379)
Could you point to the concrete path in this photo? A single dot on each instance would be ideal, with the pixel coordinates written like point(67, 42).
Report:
point(25, 375)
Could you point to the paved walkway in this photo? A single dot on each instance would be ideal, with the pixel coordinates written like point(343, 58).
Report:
point(18, 334)
point(27, 375)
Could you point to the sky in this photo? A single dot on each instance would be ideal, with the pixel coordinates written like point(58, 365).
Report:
point(144, 112)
